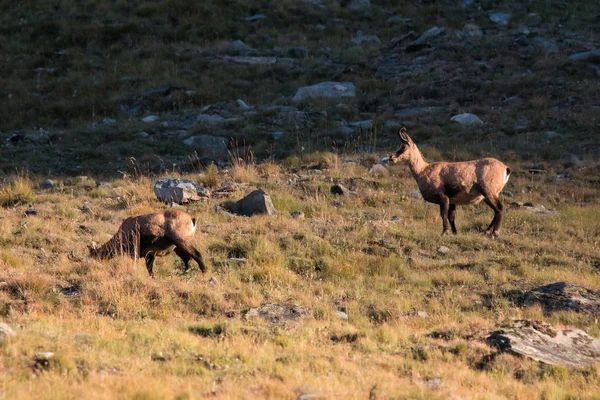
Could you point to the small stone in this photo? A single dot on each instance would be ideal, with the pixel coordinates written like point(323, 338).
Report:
point(150, 118)
point(433, 382)
point(467, 119)
point(298, 52)
point(360, 39)
point(297, 214)
point(6, 332)
point(242, 104)
point(545, 45)
point(367, 124)
point(507, 193)
point(419, 314)
point(443, 250)
point(255, 17)
point(499, 17)
point(320, 27)
point(30, 211)
point(158, 356)
point(213, 280)
point(179, 190)
point(143, 134)
point(379, 170)
point(43, 356)
point(415, 194)
point(48, 184)
point(341, 315)
point(325, 90)
point(305, 392)
point(359, 5)
point(109, 121)
point(339, 189)
point(237, 260)
point(278, 312)
point(396, 218)
point(586, 55)
point(278, 134)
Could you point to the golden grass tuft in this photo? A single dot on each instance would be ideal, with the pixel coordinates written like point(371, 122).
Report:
point(16, 190)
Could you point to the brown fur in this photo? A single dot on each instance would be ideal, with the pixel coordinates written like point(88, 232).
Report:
point(153, 235)
point(458, 183)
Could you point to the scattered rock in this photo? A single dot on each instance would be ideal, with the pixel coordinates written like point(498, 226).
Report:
point(211, 119)
point(213, 280)
point(470, 30)
point(30, 211)
point(257, 202)
point(433, 382)
point(499, 17)
point(341, 315)
point(298, 52)
point(360, 38)
point(305, 392)
point(415, 194)
point(255, 17)
point(339, 189)
point(150, 118)
point(507, 193)
point(251, 60)
point(48, 184)
point(278, 134)
point(6, 332)
point(379, 170)
point(586, 55)
point(419, 314)
point(179, 190)
point(109, 121)
point(297, 214)
point(143, 134)
point(359, 5)
point(443, 250)
point(278, 312)
point(423, 41)
point(398, 20)
point(366, 124)
point(545, 45)
point(412, 112)
point(542, 342)
point(240, 260)
point(533, 207)
point(320, 27)
point(467, 119)
point(42, 359)
point(211, 146)
point(325, 90)
point(242, 104)
point(565, 296)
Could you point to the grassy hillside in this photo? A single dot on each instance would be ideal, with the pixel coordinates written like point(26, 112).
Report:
point(374, 255)
point(389, 315)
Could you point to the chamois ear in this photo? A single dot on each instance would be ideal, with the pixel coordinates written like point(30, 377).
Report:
point(404, 137)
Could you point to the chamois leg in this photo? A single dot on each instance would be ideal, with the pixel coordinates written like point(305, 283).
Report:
point(185, 256)
point(444, 208)
point(150, 263)
point(451, 217)
point(496, 205)
point(191, 252)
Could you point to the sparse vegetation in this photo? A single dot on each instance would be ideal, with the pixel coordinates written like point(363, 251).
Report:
point(389, 314)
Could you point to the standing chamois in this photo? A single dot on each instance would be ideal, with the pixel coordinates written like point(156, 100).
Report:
point(457, 183)
point(153, 235)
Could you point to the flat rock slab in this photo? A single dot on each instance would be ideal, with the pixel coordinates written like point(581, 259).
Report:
point(331, 90)
point(257, 202)
point(278, 312)
point(542, 342)
point(179, 190)
point(565, 296)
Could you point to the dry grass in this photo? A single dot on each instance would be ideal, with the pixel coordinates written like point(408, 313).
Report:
point(117, 333)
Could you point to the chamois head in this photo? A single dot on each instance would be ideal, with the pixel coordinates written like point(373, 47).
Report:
point(403, 153)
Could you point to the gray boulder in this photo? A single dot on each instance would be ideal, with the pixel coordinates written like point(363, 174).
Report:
point(212, 146)
point(415, 194)
point(257, 202)
point(360, 38)
point(542, 342)
point(179, 190)
point(150, 118)
point(499, 17)
point(423, 40)
point(467, 119)
point(545, 45)
point(332, 90)
point(565, 296)
point(379, 170)
point(359, 5)
point(586, 55)
point(339, 189)
point(48, 184)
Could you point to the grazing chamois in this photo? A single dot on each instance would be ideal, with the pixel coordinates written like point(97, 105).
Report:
point(457, 183)
point(151, 235)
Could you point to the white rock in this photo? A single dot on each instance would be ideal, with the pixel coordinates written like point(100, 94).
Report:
point(150, 118)
point(379, 169)
point(467, 119)
point(443, 250)
point(499, 17)
point(6, 332)
point(325, 90)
